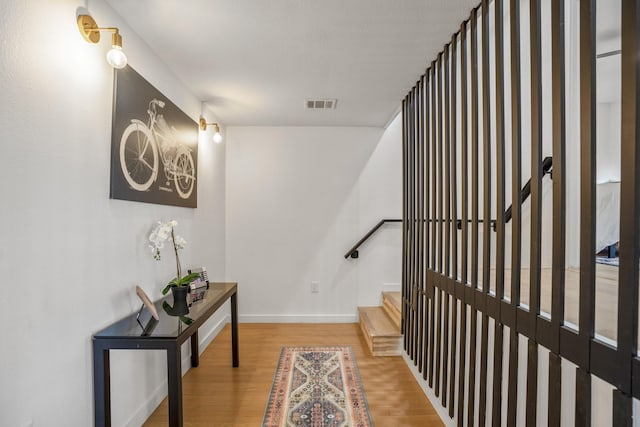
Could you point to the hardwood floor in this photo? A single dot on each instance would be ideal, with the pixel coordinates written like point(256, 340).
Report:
point(215, 394)
point(606, 309)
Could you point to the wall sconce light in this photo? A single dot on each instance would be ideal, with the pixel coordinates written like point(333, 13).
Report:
point(91, 33)
point(217, 138)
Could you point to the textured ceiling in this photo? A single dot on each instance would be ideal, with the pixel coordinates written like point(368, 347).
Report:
point(254, 62)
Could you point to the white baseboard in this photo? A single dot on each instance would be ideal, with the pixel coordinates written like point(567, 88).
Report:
point(435, 402)
point(155, 398)
point(147, 408)
point(299, 318)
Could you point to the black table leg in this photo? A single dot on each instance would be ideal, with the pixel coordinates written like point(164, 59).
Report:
point(107, 340)
point(234, 330)
point(174, 376)
point(101, 386)
point(195, 350)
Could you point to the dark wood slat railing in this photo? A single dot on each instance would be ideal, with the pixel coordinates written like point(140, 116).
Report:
point(435, 286)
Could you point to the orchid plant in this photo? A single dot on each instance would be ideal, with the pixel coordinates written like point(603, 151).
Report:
point(160, 234)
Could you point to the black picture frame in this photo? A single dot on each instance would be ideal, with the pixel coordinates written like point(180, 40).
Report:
point(154, 145)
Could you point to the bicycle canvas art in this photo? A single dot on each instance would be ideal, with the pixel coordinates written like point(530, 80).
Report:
point(154, 145)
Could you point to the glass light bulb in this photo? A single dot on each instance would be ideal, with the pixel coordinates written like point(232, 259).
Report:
point(217, 138)
point(116, 57)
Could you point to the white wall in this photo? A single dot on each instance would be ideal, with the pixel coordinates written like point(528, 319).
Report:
point(71, 256)
point(297, 200)
point(379, 189)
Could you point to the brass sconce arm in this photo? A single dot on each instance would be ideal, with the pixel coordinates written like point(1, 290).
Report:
point(91, 33)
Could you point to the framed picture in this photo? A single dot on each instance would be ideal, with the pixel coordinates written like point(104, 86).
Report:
point(147, 302)
point(154, 145)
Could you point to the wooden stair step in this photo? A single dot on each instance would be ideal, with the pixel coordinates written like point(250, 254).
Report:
point(391, 301)
point(382, 335)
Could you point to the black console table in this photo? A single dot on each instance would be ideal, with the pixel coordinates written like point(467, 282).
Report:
point(146, 333)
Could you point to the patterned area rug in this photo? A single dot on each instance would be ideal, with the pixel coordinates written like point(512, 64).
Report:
point(317, 387)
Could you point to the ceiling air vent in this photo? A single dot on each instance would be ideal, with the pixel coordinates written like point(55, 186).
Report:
point(320, 104)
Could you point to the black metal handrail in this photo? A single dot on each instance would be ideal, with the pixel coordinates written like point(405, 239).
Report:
point(547, 165)
point(353, 252)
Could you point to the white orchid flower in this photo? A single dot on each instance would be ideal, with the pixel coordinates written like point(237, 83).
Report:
point(161, 233)
point(180, 242)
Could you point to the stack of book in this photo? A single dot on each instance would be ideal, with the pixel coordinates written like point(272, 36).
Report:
point(201, 282)
point(198, 288)
point(198, 284)
point(198, 295)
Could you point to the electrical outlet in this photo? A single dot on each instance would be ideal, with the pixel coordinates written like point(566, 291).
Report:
point(315, 287)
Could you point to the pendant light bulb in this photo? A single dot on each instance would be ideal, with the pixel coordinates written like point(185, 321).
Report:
point(217, 137)
point(116, 57)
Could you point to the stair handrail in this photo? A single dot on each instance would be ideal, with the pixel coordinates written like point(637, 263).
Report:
point(547, 165)
point(525, 193)
point(353, 252)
